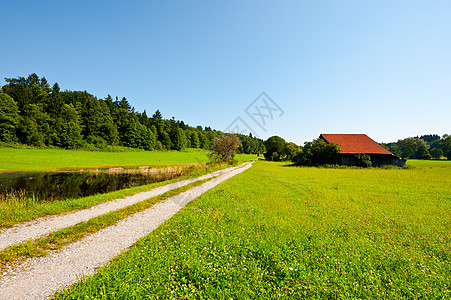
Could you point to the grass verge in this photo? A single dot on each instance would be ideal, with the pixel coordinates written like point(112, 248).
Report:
point(295, 233)
point(56, 240)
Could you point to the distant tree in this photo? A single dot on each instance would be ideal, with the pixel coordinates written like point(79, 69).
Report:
point(20, 90)
point(290, 150)
point(34, 128)
point(157, 115)
point(408, 147)
point(68, 128)
point(274, 156)
point(274, 144)
point(429, 138)
point(180, 140)
point(165, 139)
point(123, 103)
point(445, 145)
point(194, 139)
point(422, 152)
point(436, 153)
point(9, 118)
point(318, 152)
point(204, 141)
point(224, 147)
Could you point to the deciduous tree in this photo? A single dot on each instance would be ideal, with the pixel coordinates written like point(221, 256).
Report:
point(9, 118)
point(224, 147)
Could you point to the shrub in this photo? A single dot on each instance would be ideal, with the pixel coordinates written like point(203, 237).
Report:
point(363, 160)
point(318, 152)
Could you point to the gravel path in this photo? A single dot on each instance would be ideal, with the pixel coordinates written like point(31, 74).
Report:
point(43, 226)
point(41, 277)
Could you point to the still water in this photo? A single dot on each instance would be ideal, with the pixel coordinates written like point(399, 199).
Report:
point(57, 186)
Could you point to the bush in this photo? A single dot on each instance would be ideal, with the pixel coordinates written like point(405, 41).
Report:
point(363, 160)
point(274, 148)
point(317, 153)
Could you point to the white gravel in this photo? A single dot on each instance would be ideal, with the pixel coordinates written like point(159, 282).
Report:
point(43, 226)
point(39, 278)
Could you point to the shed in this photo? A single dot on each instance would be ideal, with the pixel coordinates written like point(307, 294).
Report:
point(353, 144)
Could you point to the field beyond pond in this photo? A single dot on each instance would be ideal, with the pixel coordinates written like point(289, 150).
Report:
point(50, 159)
point(276, 231)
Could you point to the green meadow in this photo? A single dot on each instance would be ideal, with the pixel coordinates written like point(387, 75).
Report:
point(276, 231)
point(419, 162)
point(12, 159)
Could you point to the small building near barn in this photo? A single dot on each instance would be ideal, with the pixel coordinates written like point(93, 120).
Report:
point(353, 144)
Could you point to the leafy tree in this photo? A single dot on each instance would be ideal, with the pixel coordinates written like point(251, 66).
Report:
point(165, 140)
point(69, 131)
point(180, 140)
point(19, 90)
point(194, 138)
point(436, 153)
point(224, 147)
point(422, 152)
point(9, 118)
point(274, 144)
point(445, 145)
point(290, 150)
point(429, 138)
point(274, 156)
point(318, 152)
point(204, 141)
point(34, 128)
point(410, 148)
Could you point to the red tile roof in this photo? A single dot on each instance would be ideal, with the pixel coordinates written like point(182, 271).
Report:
point(355, 143)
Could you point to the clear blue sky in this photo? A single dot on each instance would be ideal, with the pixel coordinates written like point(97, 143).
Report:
point(377, 67)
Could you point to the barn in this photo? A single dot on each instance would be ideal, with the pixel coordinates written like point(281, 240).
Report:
point(353, 144)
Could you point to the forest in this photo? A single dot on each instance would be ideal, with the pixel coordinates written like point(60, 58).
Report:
point(36, 114)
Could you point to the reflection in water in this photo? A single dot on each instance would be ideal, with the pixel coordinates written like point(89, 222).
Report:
point(57, 186)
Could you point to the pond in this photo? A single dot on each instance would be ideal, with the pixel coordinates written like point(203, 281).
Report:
point(63, 185)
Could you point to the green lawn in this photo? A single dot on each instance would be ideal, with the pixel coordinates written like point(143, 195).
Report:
point(289, 232)
point(42, 160)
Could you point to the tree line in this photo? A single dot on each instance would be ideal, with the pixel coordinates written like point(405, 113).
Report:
point(34, 113)
point(422, 147)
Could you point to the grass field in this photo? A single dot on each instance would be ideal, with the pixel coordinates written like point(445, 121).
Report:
point(288, 232)
point(44, 159)
point(417, 162)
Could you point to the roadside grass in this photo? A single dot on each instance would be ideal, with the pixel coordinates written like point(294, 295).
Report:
point(12, 159)
point(295, 232)
point(16, 208)
point(56, 240)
